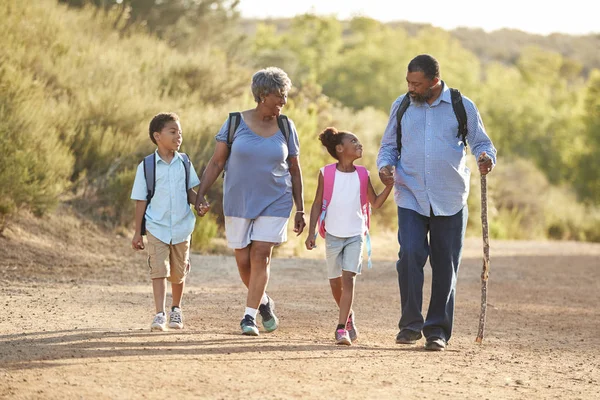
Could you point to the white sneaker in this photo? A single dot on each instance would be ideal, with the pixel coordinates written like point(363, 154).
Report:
point(176, 319)
point(159, 323)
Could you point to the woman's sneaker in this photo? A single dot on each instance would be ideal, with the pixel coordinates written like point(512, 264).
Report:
point(248, 326)
point(159, 323)
point(267, 313)
point(176, 319)
point(351, 328)
point(342, 337)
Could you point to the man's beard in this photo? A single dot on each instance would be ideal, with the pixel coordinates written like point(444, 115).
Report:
point(422, 98)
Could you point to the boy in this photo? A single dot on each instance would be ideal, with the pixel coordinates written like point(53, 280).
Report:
point(169, 219)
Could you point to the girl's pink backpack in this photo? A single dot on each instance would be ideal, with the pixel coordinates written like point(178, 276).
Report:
point(328, 180)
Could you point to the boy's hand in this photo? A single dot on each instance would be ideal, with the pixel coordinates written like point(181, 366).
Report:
point(202, 206)
point(137, 242)
point(310, 242)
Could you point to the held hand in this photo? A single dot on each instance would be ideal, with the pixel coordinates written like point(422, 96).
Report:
point(202, 206)
point(386, 175)
point(137, 243)
point(299, 223)
point(484, 162)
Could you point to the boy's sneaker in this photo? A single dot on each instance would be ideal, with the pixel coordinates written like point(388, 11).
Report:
point(248, 326)
point(159, 323)
point(267, 313)
point(176, 319)
point(342, 337)
point(351, 328)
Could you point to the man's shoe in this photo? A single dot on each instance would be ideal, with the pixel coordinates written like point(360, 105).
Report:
point(407, 336)
point(176, 319)
point(159, 323)
point(351, 328)
point(435, 344)
point(267, 313)
point(342, 337)
point(248, 326)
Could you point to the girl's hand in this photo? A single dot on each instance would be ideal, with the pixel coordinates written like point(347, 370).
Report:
point(310, 242)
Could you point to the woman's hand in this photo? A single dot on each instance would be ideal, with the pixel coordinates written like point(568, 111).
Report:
point(202, 206)
point(299, 222)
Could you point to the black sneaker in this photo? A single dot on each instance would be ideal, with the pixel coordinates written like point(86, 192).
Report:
point(248, 326)
point(435, 344)
point(407, 336)
point(267, 313)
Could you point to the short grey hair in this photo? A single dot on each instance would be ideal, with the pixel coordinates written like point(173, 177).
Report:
point(270, 80)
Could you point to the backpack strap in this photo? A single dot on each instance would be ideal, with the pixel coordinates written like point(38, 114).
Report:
point(284, 126)
point(399, 114)
point(234, 121)
point(461, 114)
point(363, 176)
point(150, 177)
point(328, 181)
point(187, 165)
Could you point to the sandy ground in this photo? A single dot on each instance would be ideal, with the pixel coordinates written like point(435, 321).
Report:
point(78, 327)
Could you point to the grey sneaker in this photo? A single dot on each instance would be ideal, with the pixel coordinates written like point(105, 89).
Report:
point(267, 313)
point(351, 328)
point(248, 326)
point(435, 344)
point(406, 336)
point(176, 319)
point(159, 323)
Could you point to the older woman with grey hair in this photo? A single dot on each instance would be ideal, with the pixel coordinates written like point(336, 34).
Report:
point(262, 182)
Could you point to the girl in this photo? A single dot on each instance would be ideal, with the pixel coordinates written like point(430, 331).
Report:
point(343, 199)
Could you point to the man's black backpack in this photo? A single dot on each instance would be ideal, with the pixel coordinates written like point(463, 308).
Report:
point(457, 106)
point(236, 117)
point(150, 176)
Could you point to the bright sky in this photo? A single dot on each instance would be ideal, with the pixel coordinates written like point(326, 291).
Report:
point(576, 17)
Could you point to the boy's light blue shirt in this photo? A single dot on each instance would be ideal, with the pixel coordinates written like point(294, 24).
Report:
point(168, 217)
point(432, 172)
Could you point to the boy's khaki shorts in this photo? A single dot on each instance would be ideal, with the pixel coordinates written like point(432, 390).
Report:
point(171, 261)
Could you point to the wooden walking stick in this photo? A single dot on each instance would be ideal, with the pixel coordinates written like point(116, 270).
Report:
point(486, 258)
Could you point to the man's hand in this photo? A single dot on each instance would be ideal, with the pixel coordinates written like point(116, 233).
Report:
point(386, 175)
point(485, 164)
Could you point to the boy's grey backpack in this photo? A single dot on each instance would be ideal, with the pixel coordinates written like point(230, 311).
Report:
point(150, 176)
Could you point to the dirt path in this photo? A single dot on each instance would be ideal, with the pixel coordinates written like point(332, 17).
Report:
point(87, 338)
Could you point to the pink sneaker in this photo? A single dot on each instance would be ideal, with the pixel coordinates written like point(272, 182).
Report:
point(342, 337)
point(351, 328)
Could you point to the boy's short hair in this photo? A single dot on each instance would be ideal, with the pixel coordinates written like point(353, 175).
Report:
point(159, 121)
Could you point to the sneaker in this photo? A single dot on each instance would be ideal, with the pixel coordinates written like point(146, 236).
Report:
point(435, 344)
point(351, 328)
point(342, 337)
point(267, 313)
point(159, 323)
point(176, 319)
point(248, 326)
point(407, 336)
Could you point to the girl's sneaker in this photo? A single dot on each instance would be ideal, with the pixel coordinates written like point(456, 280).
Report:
point(159, 323)
point(342, 337)
point(248, 326)
point(351, 328)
